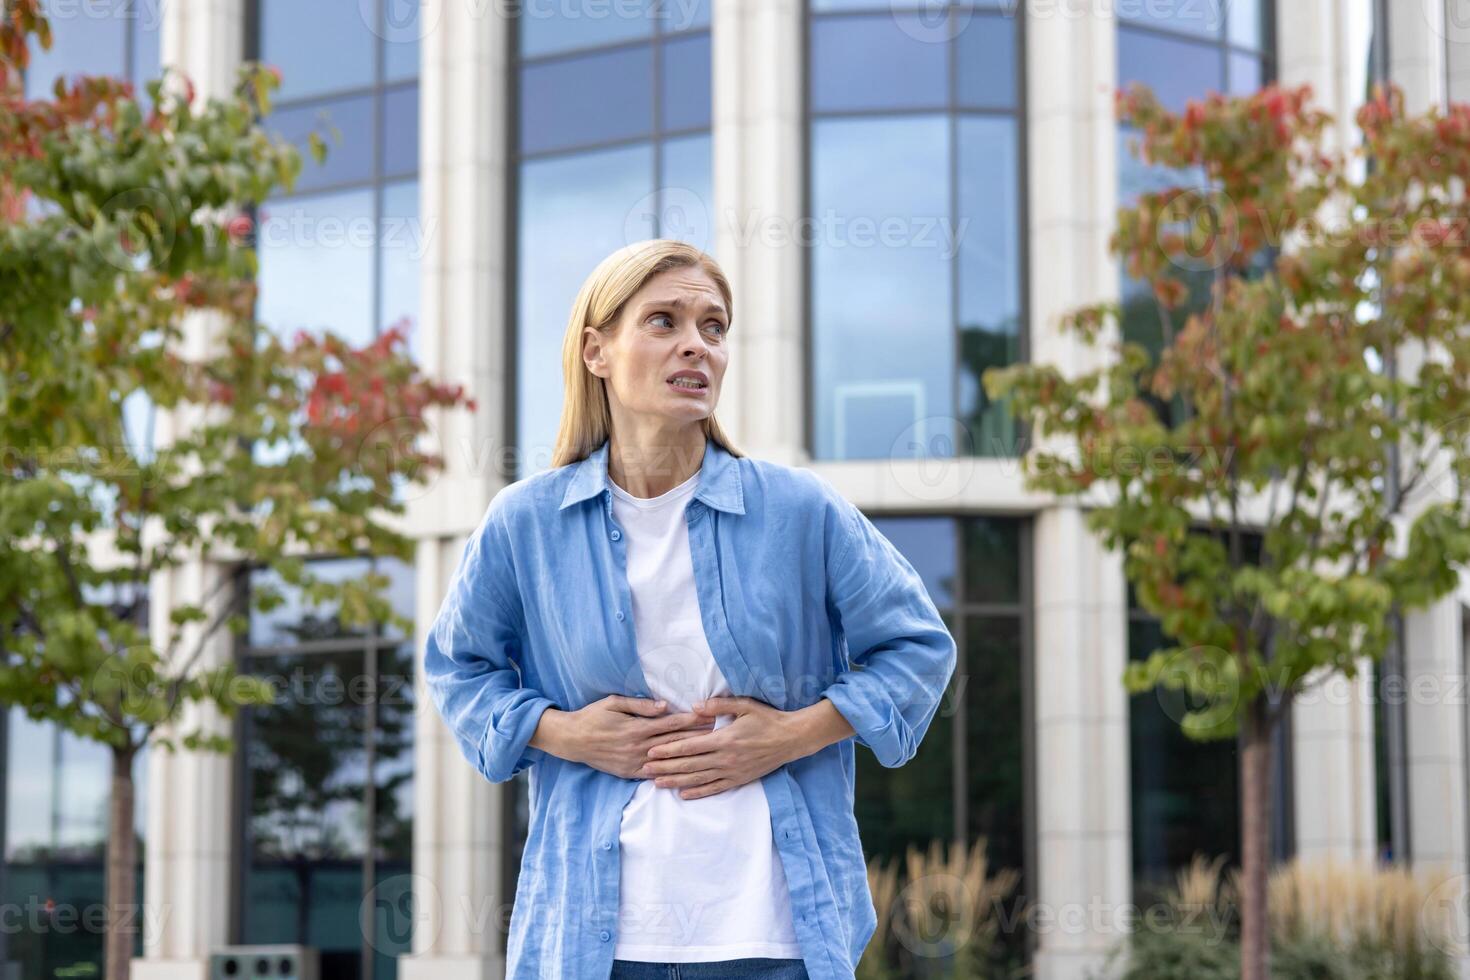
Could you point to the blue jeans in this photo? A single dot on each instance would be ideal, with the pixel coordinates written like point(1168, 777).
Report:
point(754, 968)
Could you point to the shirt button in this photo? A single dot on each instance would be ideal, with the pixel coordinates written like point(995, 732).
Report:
point(616, 534)
point(604, 935)
point(607, 845)
point(620, 615)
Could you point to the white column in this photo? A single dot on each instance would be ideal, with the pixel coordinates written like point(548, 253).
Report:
point(757, 162)
point(1332, 721)
point(460, 906)
point(1083, 837)
point(1457, 50)
point(191, 794)
point(1434, 688)
point(459, 836)
point(1416, 51)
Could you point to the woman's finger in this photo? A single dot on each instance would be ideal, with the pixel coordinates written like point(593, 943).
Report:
point(708, 789)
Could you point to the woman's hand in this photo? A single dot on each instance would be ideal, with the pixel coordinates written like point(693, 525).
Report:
point(761, 739)
point(615, 733)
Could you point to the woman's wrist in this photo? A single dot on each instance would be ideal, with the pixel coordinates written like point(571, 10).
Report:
point(553, 734)
point(820, 725)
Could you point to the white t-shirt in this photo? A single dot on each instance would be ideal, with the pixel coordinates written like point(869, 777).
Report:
point(701, 879)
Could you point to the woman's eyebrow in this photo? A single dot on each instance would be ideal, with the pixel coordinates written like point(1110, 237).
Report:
point(678, 304)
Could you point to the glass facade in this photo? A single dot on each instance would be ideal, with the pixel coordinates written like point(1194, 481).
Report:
point(117, 38)
point(1184, 793)
point(612, 137)
point(55, 803)
point(1182, 52)
point(326, 771)
point(326, 776)
point(342, 251)
point(1185, 798)
point(916, 203)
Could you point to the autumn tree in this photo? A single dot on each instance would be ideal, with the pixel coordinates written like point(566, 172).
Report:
point(1316, 401)
point(124, 221)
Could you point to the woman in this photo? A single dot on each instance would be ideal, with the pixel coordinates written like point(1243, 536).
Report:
point(682, 645)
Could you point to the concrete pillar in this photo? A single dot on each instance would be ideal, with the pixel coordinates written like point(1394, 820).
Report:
point(1416, 51)
point(190, 801)
point(1332, 722)
point(1083, 851)
point(1457, 49)
point(460, 904)
point(757, 160)
point(1083, 834)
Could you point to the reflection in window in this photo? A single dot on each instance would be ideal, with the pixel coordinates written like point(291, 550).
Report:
point(117, 38)
point(338, 251)
point(55, 840)
point(1182, 52)
point(915, 201)
point(613, 147)
point(968, 777)
point(1185, 793)
point(328, 777)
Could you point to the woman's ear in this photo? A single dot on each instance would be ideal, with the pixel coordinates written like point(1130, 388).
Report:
point(594, 353)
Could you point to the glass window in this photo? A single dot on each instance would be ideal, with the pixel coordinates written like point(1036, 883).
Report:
point(878, 62)
point(57, 787)
point(1181, 61)
point(547, 28)
point(117, 38)
point(592, 98)
point(613, 148)
point(401, 131)
point(1176, 69)
point(328, 777)
point(402, 249)
point(986, 63)
point(968, 778)
point(404, 26)
point(989, 184)
point(883, 334)
point(316, 264)
point(686, 83)
point(341, 251)
point(1205, 18)
point(916, 265)
point(345, 125)
point(319, 47)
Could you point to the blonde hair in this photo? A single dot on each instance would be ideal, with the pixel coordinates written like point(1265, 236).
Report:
point(586, 420)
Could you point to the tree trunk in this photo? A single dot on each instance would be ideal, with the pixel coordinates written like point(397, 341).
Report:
point(124, 916)
point(1255, 841)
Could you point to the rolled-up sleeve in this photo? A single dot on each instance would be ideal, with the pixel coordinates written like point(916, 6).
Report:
point(471, 658)
point(900, 652)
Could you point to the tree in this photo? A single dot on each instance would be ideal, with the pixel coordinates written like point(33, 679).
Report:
point(1319, 397)
point(123, 236)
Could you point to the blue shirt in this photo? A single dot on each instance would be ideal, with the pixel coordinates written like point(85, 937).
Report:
point(801, 598)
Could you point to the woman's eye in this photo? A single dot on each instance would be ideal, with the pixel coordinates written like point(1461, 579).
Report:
point(717, 324)
point(661, 316)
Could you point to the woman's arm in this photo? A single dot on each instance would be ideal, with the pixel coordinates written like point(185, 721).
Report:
point(470, 666)
point(901, 653)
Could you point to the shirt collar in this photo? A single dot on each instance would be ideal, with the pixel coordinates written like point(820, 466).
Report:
point(719, 478)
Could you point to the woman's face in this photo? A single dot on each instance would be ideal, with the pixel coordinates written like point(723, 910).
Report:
point(674, 325)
